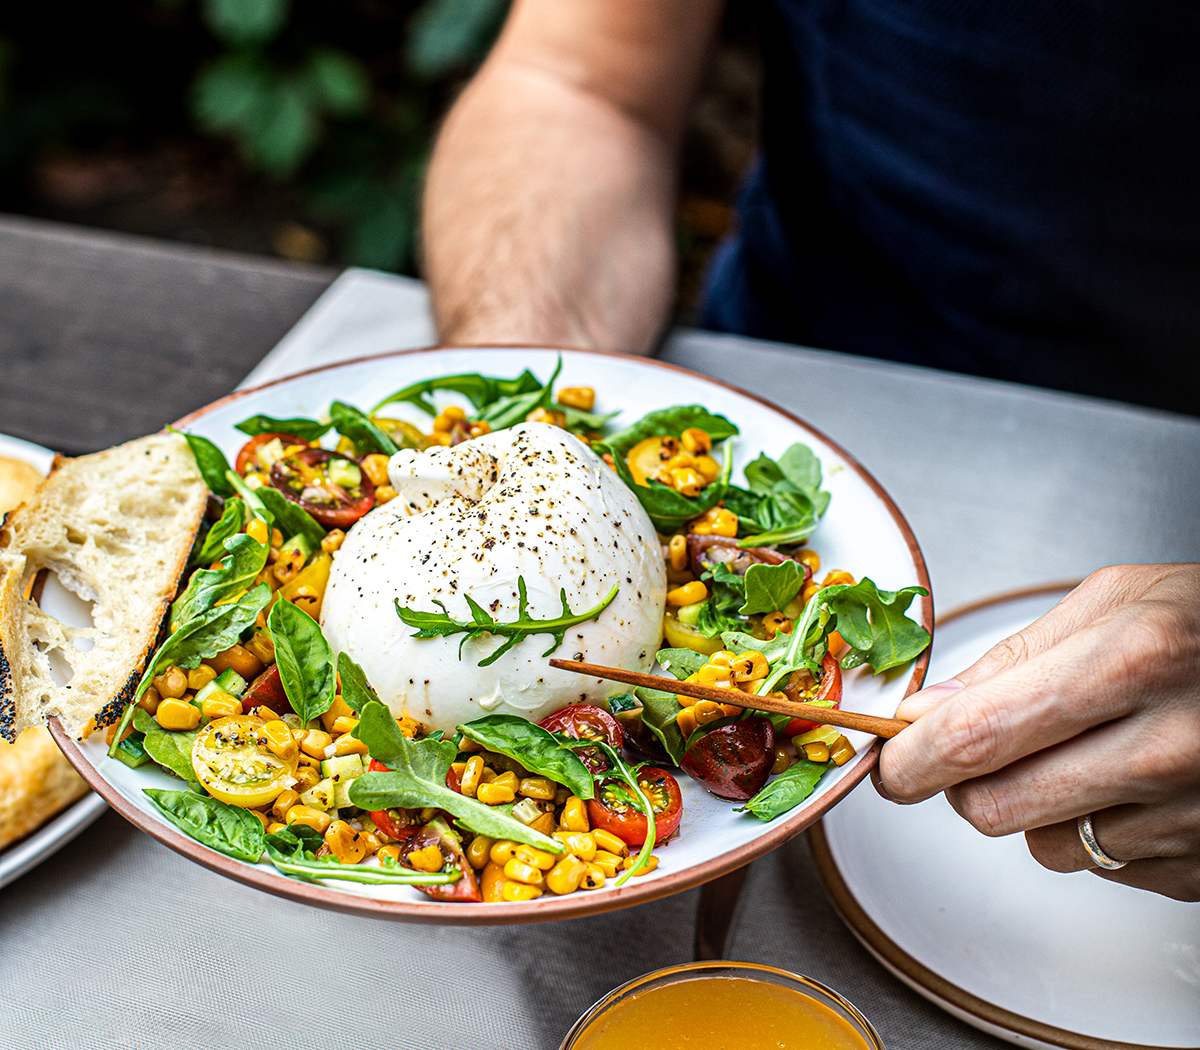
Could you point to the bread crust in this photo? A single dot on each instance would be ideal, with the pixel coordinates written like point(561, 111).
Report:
point(36, 782)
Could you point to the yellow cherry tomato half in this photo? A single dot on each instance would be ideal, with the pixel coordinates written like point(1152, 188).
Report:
point(231, 758)
point(645, 459)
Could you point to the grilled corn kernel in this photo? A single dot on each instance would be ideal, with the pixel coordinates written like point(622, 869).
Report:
point(609, 863)
point(494, 795)
point(284, 801)
point(279, 739)
point(306, 777)
point(288, 565)
point(714, 675)
point(519, 871)
point(257, 530)
point(696, 440)
point(343, 842)
point(749, 666)
point(841, 751)
point(686, 481)
point(315, 742)
point(708, 468)
point(507, 779)
point(547, 415)
point(334, 539)
point(177, 714)
point(348, 745)
point(810, 558)
point(375, 467)
point(388, 856)
point(241, 659)
point(782, 760)
point(566, 875)
point(776, 623)
point(837, 577)
point(479, 851)
point(338, 709)
point(444, 421)
point(609, 842)
point(515, 892)
point(479, 428)
point(816, 752)
point(171, 684)
point(716, 522)
point(580, 397)
point(316, 819)
point(385, 494)
point(199, 677)
point(677, 552)
point(149, 700)
point(688, 594)
point(544, 824)
point(472, 776)
point(686, 721)
point(574, 815)
point(581, 844)
point(427, 858)
point(540, 788)
point(275, 826)
point(220, 704)
point(343, 724)
point(370, 841)
point(650, 865)
point(593, 877)
point(502, 851)
point(539, 858)
point(262, 646)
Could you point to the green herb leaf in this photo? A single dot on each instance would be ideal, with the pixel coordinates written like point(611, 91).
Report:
point(242, 561)
point(673, 421)
point(356, 690)
point(720, 611)
point(682, 663)
point(355, 424)
point(250, 497)
point(304, 659)
point(209, 633)
point(171, 750)
point(510, 410)
point(873, 623)
point(772, 587)
point(290, 518)
point(231, 522)
point(305, 429)
point(480, 390)
point(417, 779)
point(228, 829)
point(669, 510)
point(295, 839)
point(659, 712)
point(212, 464)
point(431, 624)
point(306, 867)
point(537, 750)
point(784, 502)
point(786, 791)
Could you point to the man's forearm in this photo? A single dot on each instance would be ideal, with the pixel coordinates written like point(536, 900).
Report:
point(548, 217)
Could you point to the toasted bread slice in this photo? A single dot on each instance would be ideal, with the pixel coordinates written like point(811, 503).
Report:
point(116, 529)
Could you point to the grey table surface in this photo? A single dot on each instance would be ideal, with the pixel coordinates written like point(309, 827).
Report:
point(117, 942)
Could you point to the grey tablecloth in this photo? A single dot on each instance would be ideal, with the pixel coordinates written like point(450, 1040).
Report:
point(117, 942)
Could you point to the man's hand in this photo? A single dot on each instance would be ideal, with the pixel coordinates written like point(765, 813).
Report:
point(1094, 708)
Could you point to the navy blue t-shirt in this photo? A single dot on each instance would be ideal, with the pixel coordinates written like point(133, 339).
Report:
point(1010, 190)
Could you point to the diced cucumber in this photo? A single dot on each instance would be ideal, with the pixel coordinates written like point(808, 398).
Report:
point(300, 543)
point(320, 795)
point(131, 752)
point(344, 473)
point(689, 614)
point(343, 767)
point(228, 681)
point(341, 793)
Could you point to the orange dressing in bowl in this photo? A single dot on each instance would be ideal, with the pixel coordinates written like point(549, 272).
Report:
point(719, 1013)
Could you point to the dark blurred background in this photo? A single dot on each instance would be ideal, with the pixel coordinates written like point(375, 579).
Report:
point(292, 129)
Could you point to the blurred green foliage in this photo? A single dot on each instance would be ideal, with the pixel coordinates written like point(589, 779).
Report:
point(335, 103)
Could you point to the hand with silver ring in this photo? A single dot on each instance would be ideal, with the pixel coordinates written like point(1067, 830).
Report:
point(1086, 722)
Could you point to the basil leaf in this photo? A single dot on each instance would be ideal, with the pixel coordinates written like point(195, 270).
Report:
point(290, 518)
point(231, 522)
point(231, 830)
point(669, 510)
point(243, 560)
point(772, 587)
point(355, 424)
point(659, 711)
point(480, 390)
point(682, 663)
point(581, 422)
point(304, 659)
point(786, 791)
point(171, 750)
point(417, 779)
point(250, 497)
point(212, 464)
point(872, 621)
point(673, 421)
point(210, 633)
point(303, 428)
point(537, 750)
point(294, 839)
point(356, 690)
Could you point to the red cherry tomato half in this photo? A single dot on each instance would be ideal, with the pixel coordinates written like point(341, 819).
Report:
point(267, 691)
point(305, 479)
point(613, 808)
point(247, 458)
point(586, 722)
point(829, 688)
point(732, 762)
point(439, 833)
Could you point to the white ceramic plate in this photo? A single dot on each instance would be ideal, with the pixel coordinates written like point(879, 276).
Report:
point(52, 836)
point(978, 927)
point(863, 532)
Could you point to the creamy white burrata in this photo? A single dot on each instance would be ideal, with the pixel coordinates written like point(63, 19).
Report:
point(531, 501)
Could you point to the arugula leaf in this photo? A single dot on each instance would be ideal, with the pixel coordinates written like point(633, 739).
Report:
point(512, 409)
point(682, 663)
point(874, 624)
point(301, 427)
point(356, 425)
point(786, 791)
point(356, 690)
point(727, 592)
point(784, 502)
point(251, 497)
point(290, 518)
point(417, 779)
point(171, 750)
point(580, 422)
point(307, 867)
point(231, 830)
point(210, 633)
point(243, 560)
point(480, 390)
point(304, 659)
point(537, 750)
point(674, 421)
point(230, 523)
point(212, 464)
point(430, 624)
point(771, 587)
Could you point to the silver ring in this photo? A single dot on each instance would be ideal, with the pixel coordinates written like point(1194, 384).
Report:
point(1088, 837)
